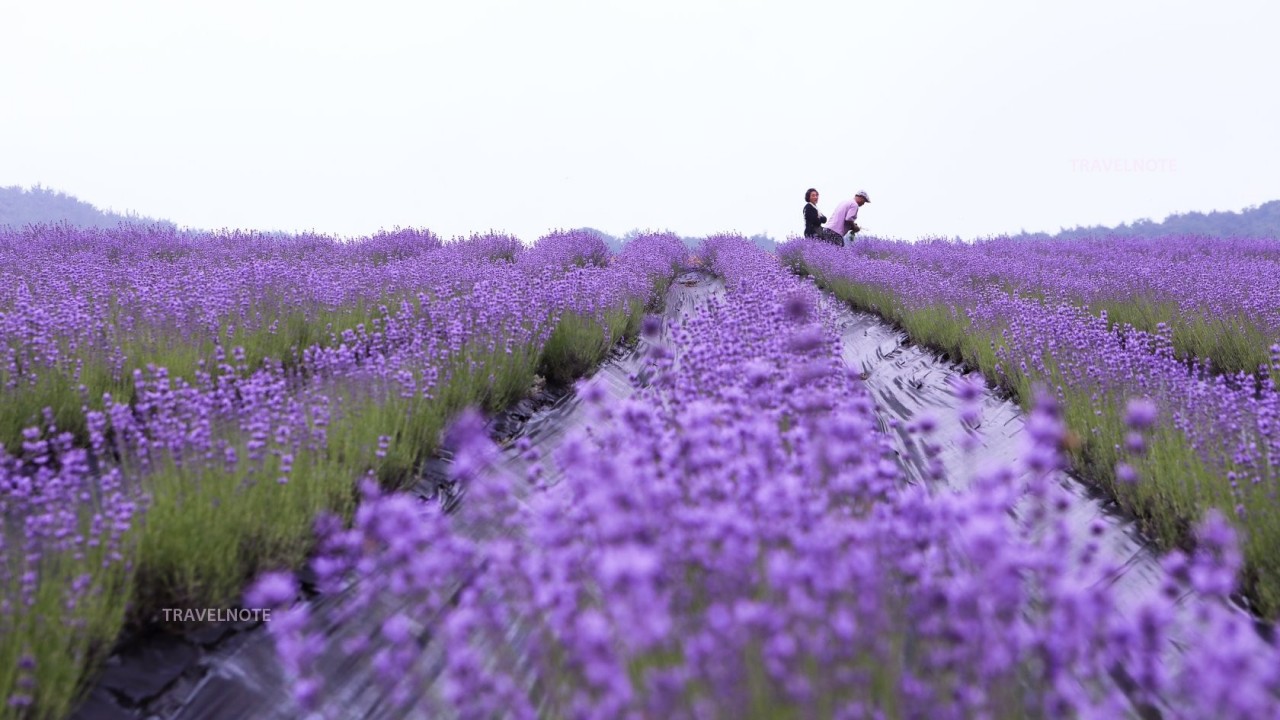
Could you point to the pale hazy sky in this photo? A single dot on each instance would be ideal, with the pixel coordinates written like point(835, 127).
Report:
point(959, 118)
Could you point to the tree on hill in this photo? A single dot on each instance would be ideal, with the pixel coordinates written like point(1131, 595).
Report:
point(1259, 221)
point(764, 242)
point(19, 207)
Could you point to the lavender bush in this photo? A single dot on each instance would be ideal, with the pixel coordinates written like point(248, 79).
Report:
point(67, 549)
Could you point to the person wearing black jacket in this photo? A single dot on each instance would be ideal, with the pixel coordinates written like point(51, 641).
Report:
point(813, 219)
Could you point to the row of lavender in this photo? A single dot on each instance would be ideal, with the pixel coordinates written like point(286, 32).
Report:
point(194, 462)
point(1216, 438)
point(82, 309)
point(736, 540)
point(1218, 298)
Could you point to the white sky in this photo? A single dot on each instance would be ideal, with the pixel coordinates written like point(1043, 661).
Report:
point(959, 118)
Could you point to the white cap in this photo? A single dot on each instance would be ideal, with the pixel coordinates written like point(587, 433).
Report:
point(864, 195)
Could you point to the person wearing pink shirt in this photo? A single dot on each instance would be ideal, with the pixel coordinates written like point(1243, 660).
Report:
point(845, 217)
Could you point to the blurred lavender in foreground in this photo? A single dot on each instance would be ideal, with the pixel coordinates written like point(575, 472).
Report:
point(736, 540)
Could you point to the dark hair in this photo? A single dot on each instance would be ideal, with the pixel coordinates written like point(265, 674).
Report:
point(806, 193)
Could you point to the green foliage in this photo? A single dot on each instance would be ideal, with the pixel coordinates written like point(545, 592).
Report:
point(579, 343)
point(83, 374)
point(210, 528)
point(1231, 344)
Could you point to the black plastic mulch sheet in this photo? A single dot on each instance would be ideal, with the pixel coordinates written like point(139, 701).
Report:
point(908, 381)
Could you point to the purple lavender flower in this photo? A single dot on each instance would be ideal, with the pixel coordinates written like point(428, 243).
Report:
point(1140, 414)
point(798, 307)
point(272, 590)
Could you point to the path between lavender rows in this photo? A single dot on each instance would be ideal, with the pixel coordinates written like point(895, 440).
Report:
point(909, 382)
point(243, 679)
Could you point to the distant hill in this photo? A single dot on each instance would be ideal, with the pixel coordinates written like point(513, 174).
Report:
point(1255, 221)
point(19, 206)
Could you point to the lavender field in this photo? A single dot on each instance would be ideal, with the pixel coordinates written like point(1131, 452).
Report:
point(222, 420)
